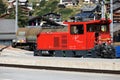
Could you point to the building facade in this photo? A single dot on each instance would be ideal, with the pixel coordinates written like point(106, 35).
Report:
point(7, 31)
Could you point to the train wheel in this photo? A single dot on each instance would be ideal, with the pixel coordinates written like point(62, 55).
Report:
point(68, 53)
point(51, 53)
point(58, 53)
point(13, 45)
point(32, 47)
point(74, 53)
point(37, 53)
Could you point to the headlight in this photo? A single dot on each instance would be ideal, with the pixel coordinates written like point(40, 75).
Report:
point(18, 40)
point(13, 40)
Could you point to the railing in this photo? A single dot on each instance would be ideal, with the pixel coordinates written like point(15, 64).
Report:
point(116, 6)
point(115, 1)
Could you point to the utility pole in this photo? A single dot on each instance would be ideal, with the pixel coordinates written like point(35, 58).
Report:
point(111, 17)
point(103, 8)
point(16, 16)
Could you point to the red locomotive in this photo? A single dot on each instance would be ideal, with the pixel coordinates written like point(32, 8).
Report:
point(83, 38)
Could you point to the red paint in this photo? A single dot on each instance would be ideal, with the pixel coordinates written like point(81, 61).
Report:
point(68, 41)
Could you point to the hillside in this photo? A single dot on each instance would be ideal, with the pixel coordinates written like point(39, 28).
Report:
point(52, 6)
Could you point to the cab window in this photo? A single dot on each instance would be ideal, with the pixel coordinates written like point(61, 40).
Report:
point(77, 29)
point(104, 28)
point(90, 28)
point(97, 28)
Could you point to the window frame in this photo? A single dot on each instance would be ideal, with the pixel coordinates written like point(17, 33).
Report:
point(78, 31)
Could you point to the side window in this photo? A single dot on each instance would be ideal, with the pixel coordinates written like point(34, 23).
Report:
point(77, 29)
point(90, 28)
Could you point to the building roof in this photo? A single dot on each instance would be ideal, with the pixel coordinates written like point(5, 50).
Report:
point(89, 7)
point(43, 19)
point(52, 14)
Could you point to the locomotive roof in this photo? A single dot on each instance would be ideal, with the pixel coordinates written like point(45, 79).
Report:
point(108, 21)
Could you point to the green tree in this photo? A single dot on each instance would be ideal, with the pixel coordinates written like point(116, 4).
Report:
point(11, 14)
point(52, 6)
point(2, 7)
point(22, 16)
point(46, 7)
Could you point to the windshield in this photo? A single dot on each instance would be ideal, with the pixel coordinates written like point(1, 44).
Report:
point(97, 28)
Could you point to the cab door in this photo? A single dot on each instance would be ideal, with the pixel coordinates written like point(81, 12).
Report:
point(77, 39)
point(90, 36)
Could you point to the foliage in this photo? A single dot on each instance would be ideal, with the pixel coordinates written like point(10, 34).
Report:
point(44, 8)
point(11, 15)
point(22, 17)
point(52, 6)
point(2, 7)
point(107, 0)
point(66, 13)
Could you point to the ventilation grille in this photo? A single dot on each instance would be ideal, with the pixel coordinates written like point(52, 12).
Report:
point(56, 42)
point(64, 41)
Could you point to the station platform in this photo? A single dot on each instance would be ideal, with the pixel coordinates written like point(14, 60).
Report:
point(23, 58)
point(61, 62)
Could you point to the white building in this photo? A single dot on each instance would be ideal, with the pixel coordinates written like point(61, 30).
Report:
point(69, 2)
point(91, 1)
point(87, 0)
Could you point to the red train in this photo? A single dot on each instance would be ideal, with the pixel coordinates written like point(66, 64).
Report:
point(84, 39)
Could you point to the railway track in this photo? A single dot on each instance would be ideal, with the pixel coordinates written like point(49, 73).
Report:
point(61, 69)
